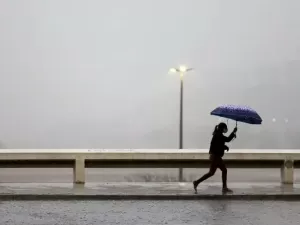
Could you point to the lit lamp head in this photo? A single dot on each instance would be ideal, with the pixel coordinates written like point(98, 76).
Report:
point(182, 69)
point(173, 70)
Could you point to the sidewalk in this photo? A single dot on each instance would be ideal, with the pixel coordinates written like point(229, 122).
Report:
point(146, 191)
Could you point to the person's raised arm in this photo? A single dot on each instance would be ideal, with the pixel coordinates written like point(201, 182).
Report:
point(231, 136)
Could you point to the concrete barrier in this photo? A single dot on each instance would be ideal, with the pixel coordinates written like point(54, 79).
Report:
point(79, 159)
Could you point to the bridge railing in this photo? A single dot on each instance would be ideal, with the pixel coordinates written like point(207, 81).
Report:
point(79, 159)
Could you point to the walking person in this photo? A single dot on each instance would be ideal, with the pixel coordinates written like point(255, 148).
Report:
point(216, 152)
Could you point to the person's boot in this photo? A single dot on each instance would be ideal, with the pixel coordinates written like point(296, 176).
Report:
point(226, 190)
point(195, 186)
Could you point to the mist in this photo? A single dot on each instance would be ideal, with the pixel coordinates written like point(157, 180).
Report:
point(94, 74)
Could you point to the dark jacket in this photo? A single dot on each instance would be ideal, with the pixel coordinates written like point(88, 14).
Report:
point(217, 144)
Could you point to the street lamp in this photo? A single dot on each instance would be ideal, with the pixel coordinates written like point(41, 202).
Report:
point(181, 70)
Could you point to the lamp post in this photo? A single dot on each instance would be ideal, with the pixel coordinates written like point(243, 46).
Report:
point(181, 70)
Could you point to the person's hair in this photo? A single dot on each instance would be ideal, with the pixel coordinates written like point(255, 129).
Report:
point(219, 128)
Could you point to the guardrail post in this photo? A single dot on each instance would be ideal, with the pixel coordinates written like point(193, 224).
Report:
point(180, 175)
point(79, 171)
point(287, 172)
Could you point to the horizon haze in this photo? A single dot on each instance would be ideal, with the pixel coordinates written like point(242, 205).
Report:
point(94, 74)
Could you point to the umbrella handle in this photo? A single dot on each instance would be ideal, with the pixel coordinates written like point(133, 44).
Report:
point(236, 127)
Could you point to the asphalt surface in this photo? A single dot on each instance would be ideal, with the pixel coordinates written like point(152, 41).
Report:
point(27, 175)
point(149, 212)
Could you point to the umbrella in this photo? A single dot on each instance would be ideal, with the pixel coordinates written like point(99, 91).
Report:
point(238, 113)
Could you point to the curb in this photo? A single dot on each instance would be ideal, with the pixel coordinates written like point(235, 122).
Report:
point(64, 197)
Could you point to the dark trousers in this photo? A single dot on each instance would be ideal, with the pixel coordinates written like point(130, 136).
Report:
point(215, 163)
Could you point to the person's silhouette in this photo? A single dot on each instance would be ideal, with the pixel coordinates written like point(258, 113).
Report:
point(216, 152)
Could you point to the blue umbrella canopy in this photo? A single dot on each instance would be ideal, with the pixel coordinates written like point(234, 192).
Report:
point(238, 113)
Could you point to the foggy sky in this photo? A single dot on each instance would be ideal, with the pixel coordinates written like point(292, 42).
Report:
point(94, 73)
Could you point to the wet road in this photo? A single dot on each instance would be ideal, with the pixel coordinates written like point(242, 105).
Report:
point(149, 212)
point(8, 175)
